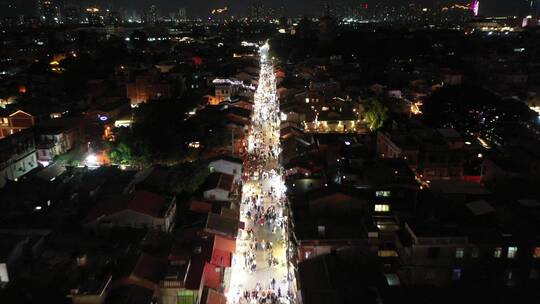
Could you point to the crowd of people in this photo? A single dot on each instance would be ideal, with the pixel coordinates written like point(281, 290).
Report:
point(269, 294)
point(264, 237)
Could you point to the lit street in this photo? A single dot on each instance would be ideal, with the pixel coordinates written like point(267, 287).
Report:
point(260, 267)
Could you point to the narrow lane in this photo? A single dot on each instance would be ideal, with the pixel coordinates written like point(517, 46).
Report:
point(260, 270)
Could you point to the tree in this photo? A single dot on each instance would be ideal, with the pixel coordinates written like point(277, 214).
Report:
point(191, 176)
point(121, 154)
point(376, 114)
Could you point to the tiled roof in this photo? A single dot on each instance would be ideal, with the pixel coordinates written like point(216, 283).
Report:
point(140, 201)
point(218, 180)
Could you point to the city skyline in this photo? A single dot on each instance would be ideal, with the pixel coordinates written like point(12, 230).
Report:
point(241, 7)
point(309, 7)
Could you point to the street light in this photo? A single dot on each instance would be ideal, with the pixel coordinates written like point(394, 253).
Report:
point(91, 159)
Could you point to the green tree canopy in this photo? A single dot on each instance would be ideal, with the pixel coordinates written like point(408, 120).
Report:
point(121, 154)
point(376, 114)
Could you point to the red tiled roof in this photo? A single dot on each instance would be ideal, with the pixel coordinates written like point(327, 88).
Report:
point(225, 244)
point(140, 201)
point(218, 180)
point(226, 182)
point(211, 276)
point(200, 206)
point(215, 297)
point(147, 203)
point(221, 258)
point(106, 207)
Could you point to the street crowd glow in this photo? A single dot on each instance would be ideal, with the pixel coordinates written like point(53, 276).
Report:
point(261, 269)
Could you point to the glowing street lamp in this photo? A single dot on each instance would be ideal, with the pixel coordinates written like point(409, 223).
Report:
point(91, 159)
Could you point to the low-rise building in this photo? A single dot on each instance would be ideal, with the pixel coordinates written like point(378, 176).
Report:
point(228, 165)
point(140, 209)
point(14, 120)
point(432, 154)
point(17, 156)
point(328, 219)
point(148, 86)
point(56, 139)
point(218, 187)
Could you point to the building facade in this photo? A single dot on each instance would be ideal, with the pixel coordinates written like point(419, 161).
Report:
point(14, 121)
point(17, 156)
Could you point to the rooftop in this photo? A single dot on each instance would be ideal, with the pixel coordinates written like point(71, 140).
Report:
point(139, 201)
point(218, 180)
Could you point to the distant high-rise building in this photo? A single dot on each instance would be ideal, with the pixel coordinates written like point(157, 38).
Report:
point(150, 15)
point(50, 11)
point(181, 15)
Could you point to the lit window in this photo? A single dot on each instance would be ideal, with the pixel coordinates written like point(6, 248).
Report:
point(536, 253)
point(383, 193)
point(497, 253)
point(321, 230)
point(460, 253)
point(512, 251)
point(307, 100)
point(382, 208)
point(387, 253)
